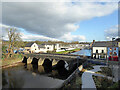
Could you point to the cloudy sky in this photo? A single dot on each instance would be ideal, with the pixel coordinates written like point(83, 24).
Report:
point(66, 21)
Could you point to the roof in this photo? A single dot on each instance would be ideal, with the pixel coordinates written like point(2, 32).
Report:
point(105, 44)
point(41, 46)
point(29, 44)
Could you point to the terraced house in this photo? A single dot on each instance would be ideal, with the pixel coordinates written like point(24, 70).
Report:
point(105, 49)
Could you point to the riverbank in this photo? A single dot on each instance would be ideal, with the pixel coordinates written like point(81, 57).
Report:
point(13, 61)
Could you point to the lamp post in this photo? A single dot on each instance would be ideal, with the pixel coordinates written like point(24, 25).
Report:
point(112, 57)
point(112, 48)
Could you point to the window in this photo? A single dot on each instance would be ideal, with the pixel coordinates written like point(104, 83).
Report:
point(28, 49)
point(96, 51)
point(102, 51)
point(34, 45)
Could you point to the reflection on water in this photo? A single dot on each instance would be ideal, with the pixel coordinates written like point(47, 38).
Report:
point(33, 76)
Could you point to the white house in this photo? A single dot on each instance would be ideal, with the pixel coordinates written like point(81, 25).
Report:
point(31, 48)
point(46, 47)
point(100, 49)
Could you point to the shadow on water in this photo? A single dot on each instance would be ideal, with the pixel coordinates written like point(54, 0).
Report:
point(20, 76)
point(62, 71)
point(47, 65)
point(9, 80)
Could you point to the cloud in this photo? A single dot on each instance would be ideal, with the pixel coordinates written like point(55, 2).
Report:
point(37, 37)
point(70, 37)
point(52, 19)
point(28, 37)
point(111, 32)
point(61, 1)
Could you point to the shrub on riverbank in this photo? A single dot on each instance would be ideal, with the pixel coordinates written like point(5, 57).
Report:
point(103, 82)
point(105, 71)
point(10, 60)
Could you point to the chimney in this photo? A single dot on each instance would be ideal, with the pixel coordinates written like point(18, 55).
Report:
point(93, 41)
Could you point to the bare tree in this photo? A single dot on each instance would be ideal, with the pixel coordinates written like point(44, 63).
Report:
point(13, 36)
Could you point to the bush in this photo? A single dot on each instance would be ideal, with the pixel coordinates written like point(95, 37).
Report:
point(4, 48)
point(3, 56)
point(107, 71)
point(102, 82)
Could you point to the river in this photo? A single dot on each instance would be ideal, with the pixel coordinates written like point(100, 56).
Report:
point(85, 52)
point(30, 76)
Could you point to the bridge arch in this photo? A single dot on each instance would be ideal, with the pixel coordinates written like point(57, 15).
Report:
point(62, 64)
point(35, 61)
point(47, 62)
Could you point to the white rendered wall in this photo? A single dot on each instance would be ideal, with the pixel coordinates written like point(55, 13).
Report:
point(99, 49)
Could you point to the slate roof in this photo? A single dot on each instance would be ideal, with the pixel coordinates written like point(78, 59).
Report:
point(29, 44)
point(105, 44)
point(41, 46)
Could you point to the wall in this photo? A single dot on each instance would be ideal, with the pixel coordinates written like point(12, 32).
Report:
point(99, 49)
point(25, 51)
point(57, 46)
point(51, 47)
point(99, 52)
point(34, 48)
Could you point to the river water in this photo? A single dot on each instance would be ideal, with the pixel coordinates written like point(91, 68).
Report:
point(30, 76)
point(85, 52)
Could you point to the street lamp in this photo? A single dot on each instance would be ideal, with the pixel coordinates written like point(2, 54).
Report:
point(112, 57)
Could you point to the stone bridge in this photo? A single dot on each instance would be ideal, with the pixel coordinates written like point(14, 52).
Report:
point(68, 61)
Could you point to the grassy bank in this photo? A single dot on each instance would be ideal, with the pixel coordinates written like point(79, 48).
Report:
point(11, 60)
point(105, 71)
point(69, 51)
point(103, 82)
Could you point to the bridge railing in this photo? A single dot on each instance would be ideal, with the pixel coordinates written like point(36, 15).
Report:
point(59, 54)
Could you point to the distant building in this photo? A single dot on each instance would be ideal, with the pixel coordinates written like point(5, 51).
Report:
point(100, 49)
point(46, 47)
point(31, 48)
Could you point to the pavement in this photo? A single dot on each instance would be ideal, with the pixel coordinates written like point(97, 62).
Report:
point(87, 80)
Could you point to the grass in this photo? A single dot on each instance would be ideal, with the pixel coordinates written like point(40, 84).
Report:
point(115, 85)
point(103, 82)
point(105, 71)
point(14, 59)
point(68, 51)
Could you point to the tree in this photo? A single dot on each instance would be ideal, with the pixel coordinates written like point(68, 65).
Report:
point(75, 42)
point(14, 37)
point(4, 48)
